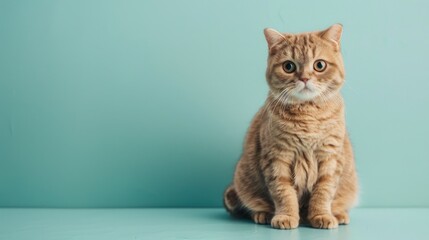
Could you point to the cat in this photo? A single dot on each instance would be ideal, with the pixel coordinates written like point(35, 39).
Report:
point(297, 164)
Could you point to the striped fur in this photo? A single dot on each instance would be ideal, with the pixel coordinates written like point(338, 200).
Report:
point(297, 163)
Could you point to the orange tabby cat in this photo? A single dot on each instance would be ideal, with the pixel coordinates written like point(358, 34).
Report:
point(297, 164)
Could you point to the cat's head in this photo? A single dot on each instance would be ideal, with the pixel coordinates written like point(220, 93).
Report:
point(304, 67)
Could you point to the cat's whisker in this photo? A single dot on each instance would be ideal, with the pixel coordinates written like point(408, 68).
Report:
point(283, 93)
point(270, 103)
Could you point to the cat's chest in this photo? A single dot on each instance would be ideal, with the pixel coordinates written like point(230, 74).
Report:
point(305, 137)
point(305, 164)
point(305, 171)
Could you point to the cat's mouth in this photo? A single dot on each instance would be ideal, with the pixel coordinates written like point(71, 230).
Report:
point(306, 92)
point(306, 89)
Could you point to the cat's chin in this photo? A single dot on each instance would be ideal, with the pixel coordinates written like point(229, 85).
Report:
point(316, 97)
point(305, 95)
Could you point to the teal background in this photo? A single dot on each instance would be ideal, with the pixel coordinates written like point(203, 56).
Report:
point(146, 103)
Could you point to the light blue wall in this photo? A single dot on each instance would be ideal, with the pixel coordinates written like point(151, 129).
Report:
point(145, 103)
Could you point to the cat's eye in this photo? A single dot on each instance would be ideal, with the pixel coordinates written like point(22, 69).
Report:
point(289, 67)
point(319, 65)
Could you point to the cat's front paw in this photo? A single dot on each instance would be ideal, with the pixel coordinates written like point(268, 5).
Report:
point(326, 221)
point(284, 222)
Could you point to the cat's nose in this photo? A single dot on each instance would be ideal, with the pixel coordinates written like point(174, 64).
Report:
point(303, 79)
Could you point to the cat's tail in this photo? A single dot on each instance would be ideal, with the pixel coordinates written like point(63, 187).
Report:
point(232, 203)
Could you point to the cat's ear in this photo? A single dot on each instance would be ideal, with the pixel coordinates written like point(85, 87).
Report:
point(333, 34)
point(272, 36)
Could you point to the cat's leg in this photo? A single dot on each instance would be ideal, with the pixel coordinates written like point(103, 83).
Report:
point(340, 207)
point(319, 211)
point(342, 217)
point(262, 217)
point(345, 197)
point(258, 209)
point(251, 191)
point(347, 191)
point(279, 180)
point(255, 202)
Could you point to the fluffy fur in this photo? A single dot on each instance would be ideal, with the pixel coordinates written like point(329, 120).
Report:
point(297, 163)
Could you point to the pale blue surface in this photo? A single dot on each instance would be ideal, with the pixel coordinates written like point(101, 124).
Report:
point(145, 103)
point(135, 224)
